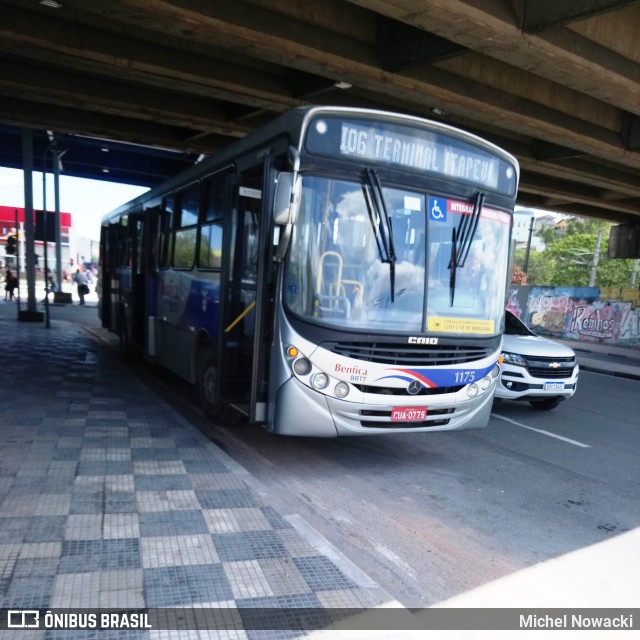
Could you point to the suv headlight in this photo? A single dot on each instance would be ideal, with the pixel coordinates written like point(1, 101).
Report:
point(514, 358)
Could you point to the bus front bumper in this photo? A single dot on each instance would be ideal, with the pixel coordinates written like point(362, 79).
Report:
point(302, 411)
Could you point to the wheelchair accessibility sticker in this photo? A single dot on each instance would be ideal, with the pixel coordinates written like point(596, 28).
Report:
point(438, 209)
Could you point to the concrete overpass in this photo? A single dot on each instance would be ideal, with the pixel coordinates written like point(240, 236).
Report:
point(555, 82)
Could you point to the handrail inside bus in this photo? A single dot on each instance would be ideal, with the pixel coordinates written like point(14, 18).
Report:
point(239, 318)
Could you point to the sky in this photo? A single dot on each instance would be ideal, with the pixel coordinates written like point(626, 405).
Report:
point(86, 200)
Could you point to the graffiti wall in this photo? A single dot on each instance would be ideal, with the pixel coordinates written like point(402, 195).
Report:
point(576, 314)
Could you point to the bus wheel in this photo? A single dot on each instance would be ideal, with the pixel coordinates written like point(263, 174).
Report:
point(218, 412)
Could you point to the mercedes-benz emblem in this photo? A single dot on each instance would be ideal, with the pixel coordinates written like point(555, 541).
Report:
point(414, 387)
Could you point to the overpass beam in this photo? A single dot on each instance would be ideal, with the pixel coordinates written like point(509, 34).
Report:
point(535, 16)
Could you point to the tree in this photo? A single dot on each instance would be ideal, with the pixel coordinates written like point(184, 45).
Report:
point(588, 225)
point(549, 235)
point(568, 258)
point(568, 262)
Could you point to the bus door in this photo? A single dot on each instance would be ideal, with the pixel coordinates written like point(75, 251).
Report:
point(150, 265)
point(109, 277)
point(104, 281)
point(240, 329)
point(136, 296)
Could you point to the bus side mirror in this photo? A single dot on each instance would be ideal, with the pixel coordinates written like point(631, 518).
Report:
point(286, 201)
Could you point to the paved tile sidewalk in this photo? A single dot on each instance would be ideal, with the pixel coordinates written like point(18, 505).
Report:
point(110, 499)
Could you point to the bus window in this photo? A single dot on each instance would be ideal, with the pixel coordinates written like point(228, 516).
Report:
point(214, 198)
point(124, 243)
point(246, 259)
point(189, 206)
point(210, 246)
point(210, 249)
point(185, 248)
point(137, 233)
point(166, 235)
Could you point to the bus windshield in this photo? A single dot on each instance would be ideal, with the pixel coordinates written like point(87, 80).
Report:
point(343, 272)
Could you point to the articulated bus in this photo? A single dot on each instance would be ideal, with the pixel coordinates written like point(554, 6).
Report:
point(338, 272)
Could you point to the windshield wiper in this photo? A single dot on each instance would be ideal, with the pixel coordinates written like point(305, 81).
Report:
point(382, 226)
point(467, 230)
point(461, 240)
point(453, 266)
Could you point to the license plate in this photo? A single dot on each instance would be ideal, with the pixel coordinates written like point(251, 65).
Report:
point(554, 386)
point(408, 414)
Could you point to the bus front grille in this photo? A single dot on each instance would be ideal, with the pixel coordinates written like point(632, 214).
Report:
point(399, 391)
point(408, 355)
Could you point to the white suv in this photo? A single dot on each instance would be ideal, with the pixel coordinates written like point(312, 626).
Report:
point(535, 369)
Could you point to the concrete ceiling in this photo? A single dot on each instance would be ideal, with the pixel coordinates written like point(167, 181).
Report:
point(555, 82)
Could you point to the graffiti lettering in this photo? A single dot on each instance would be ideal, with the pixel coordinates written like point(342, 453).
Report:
point(577, 313)
point(550, 303)
point(630, 327)
point(588, 321)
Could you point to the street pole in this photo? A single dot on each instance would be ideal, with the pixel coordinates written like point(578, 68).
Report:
point(634, 273)
point(525, 266)
point(596, 259)
point(31, 314)
point(57, 155)
point(46, 239)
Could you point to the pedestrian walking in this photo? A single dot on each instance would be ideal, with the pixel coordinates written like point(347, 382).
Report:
point(50, 285)
point(81, 282)
point(10, 285)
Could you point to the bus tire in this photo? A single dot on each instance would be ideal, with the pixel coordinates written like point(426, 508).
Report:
point(217, 412)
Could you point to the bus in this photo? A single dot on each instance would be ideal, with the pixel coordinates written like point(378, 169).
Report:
point(340, 271)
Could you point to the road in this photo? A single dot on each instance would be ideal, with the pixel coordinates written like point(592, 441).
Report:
point(430, 517)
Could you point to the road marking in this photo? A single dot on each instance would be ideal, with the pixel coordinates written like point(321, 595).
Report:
point(327, 549)
point(545, 433)
point(399, 562)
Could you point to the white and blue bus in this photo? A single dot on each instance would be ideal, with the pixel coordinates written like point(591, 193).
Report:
point(338, 272)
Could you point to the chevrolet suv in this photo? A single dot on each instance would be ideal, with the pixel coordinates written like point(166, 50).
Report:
point(535, 369)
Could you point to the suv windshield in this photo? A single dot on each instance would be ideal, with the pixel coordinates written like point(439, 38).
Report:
point(513, 326)
point(339, 274)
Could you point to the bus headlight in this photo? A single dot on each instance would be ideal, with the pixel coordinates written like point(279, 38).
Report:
point(485, 383)
point(472, 390)
point(320, 380)
point(495, 372)
point(302, 366)
point(341, 390)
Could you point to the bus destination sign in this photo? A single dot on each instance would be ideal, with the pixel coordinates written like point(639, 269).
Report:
point(412, 148)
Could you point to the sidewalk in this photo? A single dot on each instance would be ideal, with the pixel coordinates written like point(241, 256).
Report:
point(111, 499)
point(609, 359)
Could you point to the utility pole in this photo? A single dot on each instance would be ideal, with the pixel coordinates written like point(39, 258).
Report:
point(525, 266)
point(596, 259)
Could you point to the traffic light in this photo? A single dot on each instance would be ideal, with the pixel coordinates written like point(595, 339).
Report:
point(11, 245)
